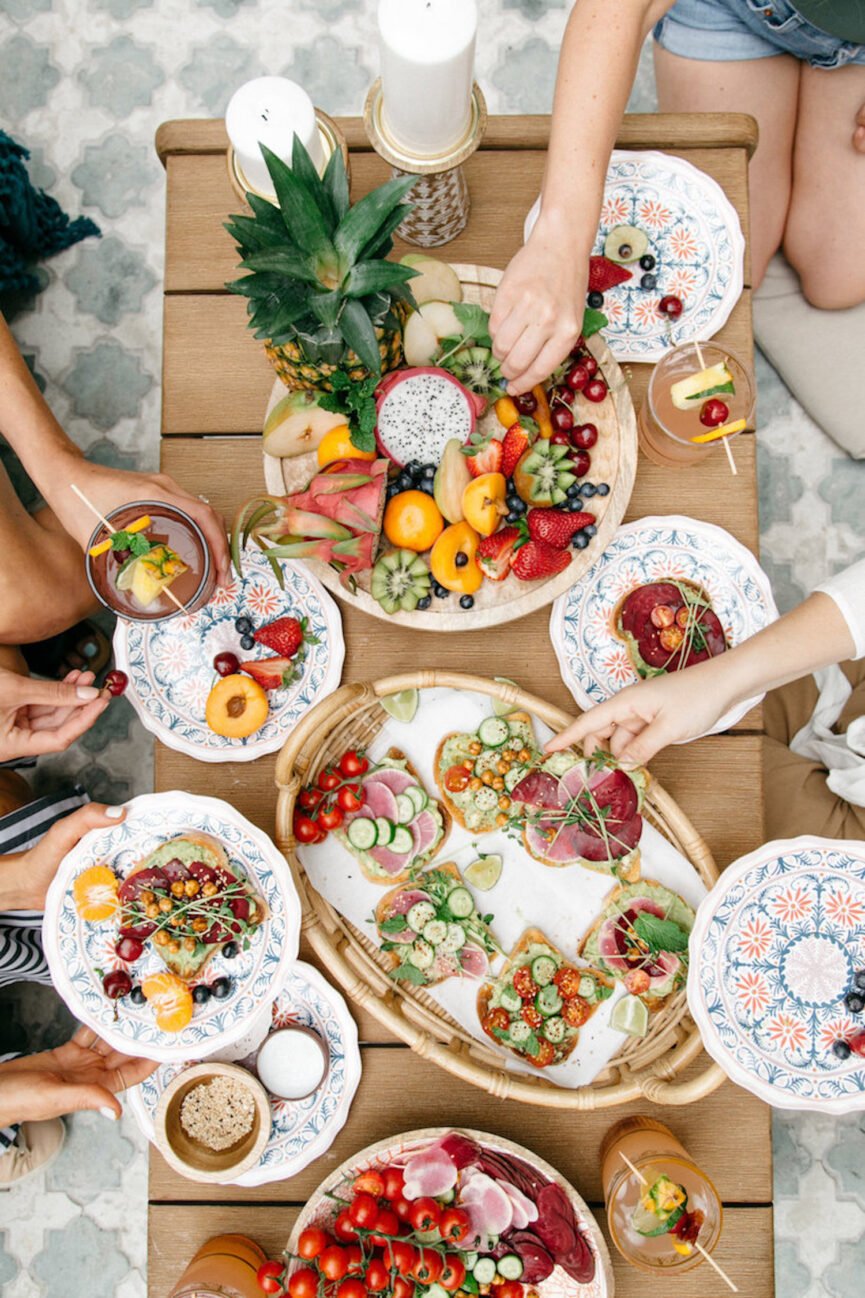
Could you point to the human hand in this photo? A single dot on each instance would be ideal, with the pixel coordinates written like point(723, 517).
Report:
point(26, 876)
point(537, 314)
point(39, 717)
point(859, 131)
point(85, 1073)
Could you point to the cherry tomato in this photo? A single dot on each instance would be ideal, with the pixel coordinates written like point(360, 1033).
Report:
point(524, 985)
point(394, 1182)
point(425, 1214)
point(370, 1182)
point(402, 1207)
point(353, 763)
point(333, 1262)
point(309, 798)
point(328, 780)
point(386, 1224)
point(401, 1255)
point(455, 1225)
point(355, 1258)
point(303, 1284)
point(530, 1015)
point(377, 1276)
point(311, 1242)
point(510, 1289)
point(453, 1273)
point(637, 981)
point(456, 779)
point(349, 798)
point(497, 1019)
point(351, 1289)
point(568, 980)
point(545, 1056)
point(305, 830)
point(269, 1276)
point(344, 1229)
point(575, 1011)
point(363, 1210)
point(403, 1288)
point(331, 819)
point(428, 1267)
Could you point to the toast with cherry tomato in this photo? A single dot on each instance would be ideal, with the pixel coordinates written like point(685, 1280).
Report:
point(641, 940)
point(476, 772)
point(538, 1003)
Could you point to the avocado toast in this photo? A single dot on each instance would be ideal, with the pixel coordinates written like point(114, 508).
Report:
point(476, 772)
point(641, 939)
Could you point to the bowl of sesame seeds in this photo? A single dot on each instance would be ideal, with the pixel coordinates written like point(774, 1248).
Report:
point(213, 1122)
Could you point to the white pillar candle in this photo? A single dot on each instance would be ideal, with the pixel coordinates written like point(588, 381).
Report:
point(427, 71)
point(271, 111)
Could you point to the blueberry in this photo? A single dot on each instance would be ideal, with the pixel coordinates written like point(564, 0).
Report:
point(596, 300)
point(649, 281)
point(467, 601)
point(580, 541)
point(574, 505)
point(414, 468)
point(428, 471)
point(573, 490)
point(392, 490)
point(427, 485)
point(243, 625)
point(405, 481)
point(247, 642)
point(221, 988)
point(461, 559)
point(201, 994)
point(512, 500)
point(509, 487)
point(424, 603)
point(440, 592)
point(519, 506)
point(590, 529)
point(137, 996)
point(512, 517)
point(647, 262)
point(589, 489)
point(859, 980)
point(840, 1049)
point(602, 489)
point(230, 950)
point(855, 1002)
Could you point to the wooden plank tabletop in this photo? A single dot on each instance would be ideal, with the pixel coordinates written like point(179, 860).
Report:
point(216, 384)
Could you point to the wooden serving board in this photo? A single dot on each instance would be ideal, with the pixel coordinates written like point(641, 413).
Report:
point(614, 460)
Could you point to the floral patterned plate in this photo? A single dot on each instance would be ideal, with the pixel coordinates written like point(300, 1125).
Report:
point(302, 1129)
point(170, 663)
point(79, 952)
point(594, 663)
point(695, 238)
point(774, 949)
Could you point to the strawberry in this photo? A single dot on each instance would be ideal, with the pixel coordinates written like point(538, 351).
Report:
point(495, 552)
point(555, 527)
point(484, 454)
point(536, 559)
point(516, 440)
point(271, 673)
point(285, 636)
point(604, 274)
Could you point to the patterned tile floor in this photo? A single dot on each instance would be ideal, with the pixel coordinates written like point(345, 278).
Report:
point(85, 83)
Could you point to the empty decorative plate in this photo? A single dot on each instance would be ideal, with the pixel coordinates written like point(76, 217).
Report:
point(773, 952)
point(594, 662)
point(170, 663)
point(80, 952)
point(696, 240)
point(301, 1129)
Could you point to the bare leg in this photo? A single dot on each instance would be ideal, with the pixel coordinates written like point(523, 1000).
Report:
point(768, 89)
point(826, 223)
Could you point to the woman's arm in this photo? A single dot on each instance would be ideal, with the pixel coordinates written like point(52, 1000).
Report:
point(538, 311)
point(25, 877)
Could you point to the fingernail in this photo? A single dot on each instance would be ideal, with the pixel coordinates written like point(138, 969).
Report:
point(86, 692)
point(114, 813)
point(108, 1113)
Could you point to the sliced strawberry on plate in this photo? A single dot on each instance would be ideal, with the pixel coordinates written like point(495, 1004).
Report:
point(285, 635)
point(271, 673)
point(495, 553)
point(484, 455)
point(536, 559)
point(516, 440)
point(555, 527)
point(605, 274)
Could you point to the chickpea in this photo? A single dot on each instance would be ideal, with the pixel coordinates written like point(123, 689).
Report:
point(504, 802)
point(508, 755)
point(152, 910)
point(501, 818)
point(476, 783)
point(189, 944)
point(209, 889)
point(147, 896)
point(498, 784)
point(475, 747)
point(524, 755)
point(200, 925)
point(165, 905)
point(487, 777)
point(176, 920)
point(174, 946)
point(503, 767)
point(468, 764)
point(191, 887)
point(161, 938)
point(177, 889)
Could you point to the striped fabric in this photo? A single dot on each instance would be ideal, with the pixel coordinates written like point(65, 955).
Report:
point(7, 1134)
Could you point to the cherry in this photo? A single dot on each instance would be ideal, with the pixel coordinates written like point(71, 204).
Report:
point(714, 412)
point(561, 394)
point(581, 462)
point(584, 436)
point(577, 349)
point(526, 403)
point(561, 418)
point(671, 306)
point(595, 390)
point(857, 1043)
point(591, 365)
point(129, 948)
point(577, 376)
point(226, 664)
point(560, 438)
point(117, 983)
point(116, 682)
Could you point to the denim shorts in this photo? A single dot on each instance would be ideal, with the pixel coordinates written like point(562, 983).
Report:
point(726, 30)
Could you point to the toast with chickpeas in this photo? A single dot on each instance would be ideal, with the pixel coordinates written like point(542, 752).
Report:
point(477, 771)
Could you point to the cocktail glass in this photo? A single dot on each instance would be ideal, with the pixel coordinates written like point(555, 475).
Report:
point(225, 1267)
point(665, 431)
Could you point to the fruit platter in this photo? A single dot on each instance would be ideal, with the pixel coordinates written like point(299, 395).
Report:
point(537, 907)
point(168, 932)
point(447, 1211)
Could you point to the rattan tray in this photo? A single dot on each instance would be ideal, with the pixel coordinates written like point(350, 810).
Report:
point(643, 1068)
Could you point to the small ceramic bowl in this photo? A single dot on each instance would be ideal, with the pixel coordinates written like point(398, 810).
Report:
point(292, 1063)
point(193, 1158)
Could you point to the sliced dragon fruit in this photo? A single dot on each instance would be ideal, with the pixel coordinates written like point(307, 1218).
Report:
point(420, 410)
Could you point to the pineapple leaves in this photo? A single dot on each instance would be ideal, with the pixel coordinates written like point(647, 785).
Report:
point(283, 260)
point(325, 307)
point(336, 184)
point(363, 222)
point(358, 332)
point(301, 165)
point(381, 244)
point(374, 276)
point(299, 209)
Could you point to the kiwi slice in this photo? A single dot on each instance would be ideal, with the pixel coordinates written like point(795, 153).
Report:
point(478, 369)
point(543, 475)
point(399, 580)
point(625, 243)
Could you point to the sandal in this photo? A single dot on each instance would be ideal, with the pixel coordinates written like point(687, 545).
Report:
point(84, 647)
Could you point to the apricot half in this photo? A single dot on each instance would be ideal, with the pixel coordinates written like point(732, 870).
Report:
point(236, 707)
point(465, 577)
point(412, 521)
point(484, 502)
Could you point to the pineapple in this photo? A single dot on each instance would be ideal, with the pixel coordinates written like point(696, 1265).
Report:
point(321, 294)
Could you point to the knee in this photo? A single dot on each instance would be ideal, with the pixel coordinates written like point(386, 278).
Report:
point(829, 283)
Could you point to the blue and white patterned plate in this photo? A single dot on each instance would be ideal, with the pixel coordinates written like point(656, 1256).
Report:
point(695, 238)
point(78, 950)
point(594, 663)
point(170, 663)
point(302, 1129)
point(773, 951)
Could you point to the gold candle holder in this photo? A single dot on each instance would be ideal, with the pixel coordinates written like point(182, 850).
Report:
point(440, 195)
point(331, 138)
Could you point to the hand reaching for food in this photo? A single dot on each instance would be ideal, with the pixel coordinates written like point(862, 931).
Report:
point(26, 876)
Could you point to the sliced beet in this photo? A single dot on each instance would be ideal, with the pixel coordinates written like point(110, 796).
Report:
point(507, 1167)
point(538, 1265)
point(153, 880)
point(176, 871)
point(559, 1230)
point(538, 789)
point(462, 1150)
point(637, 609)
point(636, 619)
point(129, 927)
point(202, 872)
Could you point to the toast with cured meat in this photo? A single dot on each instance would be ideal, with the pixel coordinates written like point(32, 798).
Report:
point(476, 771)
point(668, 625)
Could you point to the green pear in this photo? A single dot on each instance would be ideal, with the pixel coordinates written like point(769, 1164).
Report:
point(436, 282)
point(296, 424)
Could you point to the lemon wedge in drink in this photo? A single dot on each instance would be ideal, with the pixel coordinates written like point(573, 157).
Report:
point(630, 1015)
point(401, 706)
point(485, 872)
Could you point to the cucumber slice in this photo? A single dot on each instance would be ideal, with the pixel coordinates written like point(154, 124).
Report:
point(493, 732)
point(548, 1000)
point(460, 902)
point(363, 834)
point(485, 872)
point(555, 1030)
point(543, 969)
point(420, 914)
point(385, 830)
point(437, 1291)
point(488, 761)
point(630, 1015)
point(435, 932)
point(588, 988)
point(484, 1270)
point(513, 776)
point(510, 1266)
point(511, 1000)
point(421, 954)
point(470, 1260)
point(417, 796)
point(455, 940)
point(405, 809)
point(519, 1031)
point(447, 1197)
point(402, 842)
point(486, 798)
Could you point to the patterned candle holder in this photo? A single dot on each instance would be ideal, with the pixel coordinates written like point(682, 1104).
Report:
point(331, 138)
point(440, 195)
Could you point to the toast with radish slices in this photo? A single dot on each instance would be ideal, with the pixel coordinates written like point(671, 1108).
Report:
point(641, 939)
point(476, 771)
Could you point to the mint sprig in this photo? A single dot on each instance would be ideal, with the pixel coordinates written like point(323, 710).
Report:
point(355, 401)
point(660, 934)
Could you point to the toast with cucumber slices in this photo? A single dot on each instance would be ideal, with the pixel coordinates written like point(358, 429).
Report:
point(431, 929)
point(477, 771)
point(641, 939)
point(538, 1003)
point(399, 828)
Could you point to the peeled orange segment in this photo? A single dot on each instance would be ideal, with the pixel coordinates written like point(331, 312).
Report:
point(171, 999)
point(95, 893)
point(726, 430)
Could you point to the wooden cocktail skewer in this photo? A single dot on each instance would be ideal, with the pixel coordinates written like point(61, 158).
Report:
point(724, 440)
point(105, 523)
point(697, 1245)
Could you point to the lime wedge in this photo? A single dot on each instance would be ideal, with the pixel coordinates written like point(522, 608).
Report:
point(485, 872)
point(401, 706)
point(500, 708)
point(630, 1015)
point(649, 1223)
point(126, 573)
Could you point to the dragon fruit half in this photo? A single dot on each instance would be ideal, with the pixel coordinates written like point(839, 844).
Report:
point(420, 410)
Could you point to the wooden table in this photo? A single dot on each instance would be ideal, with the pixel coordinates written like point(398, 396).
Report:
point(216, 382)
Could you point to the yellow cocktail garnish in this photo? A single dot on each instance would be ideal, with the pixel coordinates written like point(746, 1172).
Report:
point(104, 546)
point(724, 431)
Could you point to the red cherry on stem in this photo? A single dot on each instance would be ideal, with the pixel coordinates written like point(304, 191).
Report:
point(560, 438)
point(671, 306)
point(226, 664)
point(591, 365)
point(714, 412)
point(561, 418)
point(595, 390)
point(584, 436)
point(577, 376)
point(116, 681)
point(582, 462)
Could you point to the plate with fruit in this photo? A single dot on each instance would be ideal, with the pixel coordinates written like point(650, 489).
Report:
point(428, 498)
point(669, 254)
point(228, 683)
point(668, 592)
point(169, 931)
point(467, 1211)
point(778, 991)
